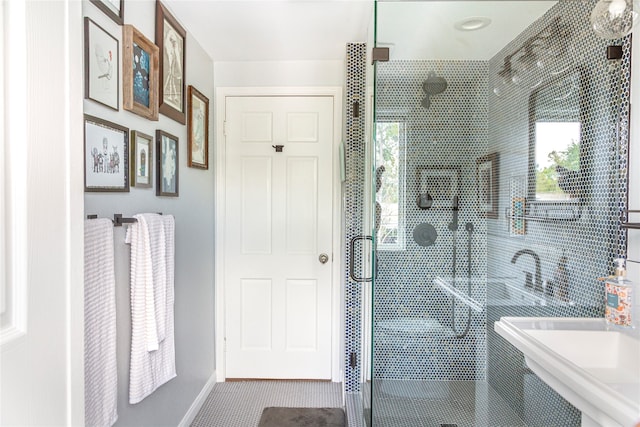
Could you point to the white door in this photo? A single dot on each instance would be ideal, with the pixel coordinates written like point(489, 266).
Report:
point(278, 226)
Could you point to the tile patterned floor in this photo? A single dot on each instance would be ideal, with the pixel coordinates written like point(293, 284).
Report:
point(240, 404)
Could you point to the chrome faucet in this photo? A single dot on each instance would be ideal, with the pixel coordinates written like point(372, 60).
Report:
point(538, 277)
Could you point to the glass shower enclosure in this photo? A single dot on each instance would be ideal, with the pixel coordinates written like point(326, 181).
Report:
point(499, 130)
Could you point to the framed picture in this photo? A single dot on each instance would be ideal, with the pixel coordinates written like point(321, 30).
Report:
point(106, 155)
point(167, 158)
point(140, 73)
point(141, 160)
point(114, 9)
point(437, 187)
point(171, 38)
point(487, 169)
point(101, 65)
point(198, 132)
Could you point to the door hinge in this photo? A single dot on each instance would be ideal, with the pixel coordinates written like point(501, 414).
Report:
point(379, 54)
point(224, 128)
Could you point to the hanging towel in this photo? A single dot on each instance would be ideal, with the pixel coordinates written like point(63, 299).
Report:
point(100, 368)
point(152, 295)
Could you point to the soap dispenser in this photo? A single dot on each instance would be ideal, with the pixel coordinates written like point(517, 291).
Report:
point(618, 307)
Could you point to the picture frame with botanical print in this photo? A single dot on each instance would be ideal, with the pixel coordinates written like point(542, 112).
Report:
point(166, 164)
point(101, 65)
point(487, 179)
point(114, 9)
point(141, 160)
point(198, 129)
point(106, 156)
point(171, 38)
point(140, 73)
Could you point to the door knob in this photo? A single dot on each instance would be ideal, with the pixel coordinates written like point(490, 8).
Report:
point(323, 258)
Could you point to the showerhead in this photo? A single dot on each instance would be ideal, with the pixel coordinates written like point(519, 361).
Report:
point(434, 84)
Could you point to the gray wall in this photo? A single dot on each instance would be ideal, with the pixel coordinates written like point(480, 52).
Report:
point(194, 212)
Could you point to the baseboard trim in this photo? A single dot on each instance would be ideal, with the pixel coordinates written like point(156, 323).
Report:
point(197, 404)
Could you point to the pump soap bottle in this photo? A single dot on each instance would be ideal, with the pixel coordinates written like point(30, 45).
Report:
point(618, 307)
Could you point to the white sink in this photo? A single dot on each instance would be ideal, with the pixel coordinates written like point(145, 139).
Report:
point(596, 370)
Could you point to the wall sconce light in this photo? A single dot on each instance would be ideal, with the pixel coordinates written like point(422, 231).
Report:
point(614, 19)
point(545, 51)
point(505, 76)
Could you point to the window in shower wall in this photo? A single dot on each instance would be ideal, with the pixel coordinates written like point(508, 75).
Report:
point(390, 189)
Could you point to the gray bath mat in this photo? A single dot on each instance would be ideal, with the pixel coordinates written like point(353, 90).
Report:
point(302, 417)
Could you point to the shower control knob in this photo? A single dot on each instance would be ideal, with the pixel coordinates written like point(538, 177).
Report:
point(323, 258)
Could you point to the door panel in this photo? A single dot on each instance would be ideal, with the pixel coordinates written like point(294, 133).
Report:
point(256, 205)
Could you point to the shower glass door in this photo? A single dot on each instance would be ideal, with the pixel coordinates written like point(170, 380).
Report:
point(460, 114)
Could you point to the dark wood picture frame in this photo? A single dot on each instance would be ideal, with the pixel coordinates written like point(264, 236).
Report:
point(488, 181)
point(198, 129)
point(141, 160)
point(171, 38)
point(167, 164)
point(101, 66)
point(140, 86)
point(117, 16)
point(104, 170)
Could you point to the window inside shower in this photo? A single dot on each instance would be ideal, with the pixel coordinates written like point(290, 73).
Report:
point(390, 189)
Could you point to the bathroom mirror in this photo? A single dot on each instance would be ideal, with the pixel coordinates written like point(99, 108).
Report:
point(556, 146)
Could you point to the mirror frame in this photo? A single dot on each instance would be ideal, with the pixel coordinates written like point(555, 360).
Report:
point(547, 207)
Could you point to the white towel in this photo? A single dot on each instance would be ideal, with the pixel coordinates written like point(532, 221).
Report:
point(100, 367)
point(152, 296)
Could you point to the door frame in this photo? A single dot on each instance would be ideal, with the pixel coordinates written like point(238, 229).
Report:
point(337, 266)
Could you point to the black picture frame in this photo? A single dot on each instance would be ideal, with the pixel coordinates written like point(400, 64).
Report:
point(171, 39)
point(487, 182)
point(198, 130)
point(101, 66)
point(142, 152)
point(106, 170)
point(113, 11)
point(167, 164)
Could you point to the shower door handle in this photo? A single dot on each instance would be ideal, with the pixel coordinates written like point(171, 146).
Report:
point(352, 272)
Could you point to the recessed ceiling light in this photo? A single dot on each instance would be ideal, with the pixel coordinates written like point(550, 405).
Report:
point(472, 23)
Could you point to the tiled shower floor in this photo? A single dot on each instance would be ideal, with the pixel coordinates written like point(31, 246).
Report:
point(406, 403)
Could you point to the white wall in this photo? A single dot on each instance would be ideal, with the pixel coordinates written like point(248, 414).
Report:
point(193, 211)
point(42, 376)
point(280, 73)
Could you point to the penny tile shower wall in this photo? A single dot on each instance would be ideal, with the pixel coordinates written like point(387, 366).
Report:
point(592, 238)
point(412, 316)
point(413, 337)
point(354, 211)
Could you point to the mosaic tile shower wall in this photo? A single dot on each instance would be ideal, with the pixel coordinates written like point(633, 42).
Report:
point(353, 196)
point(462, 124)
point(412, 316)
point(588, 238)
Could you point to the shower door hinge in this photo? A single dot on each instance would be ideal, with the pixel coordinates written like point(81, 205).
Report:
point(353, 360)
point(379, 54)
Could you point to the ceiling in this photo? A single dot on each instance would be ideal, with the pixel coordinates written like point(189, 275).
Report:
point(279, 30)
point(287, 30)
